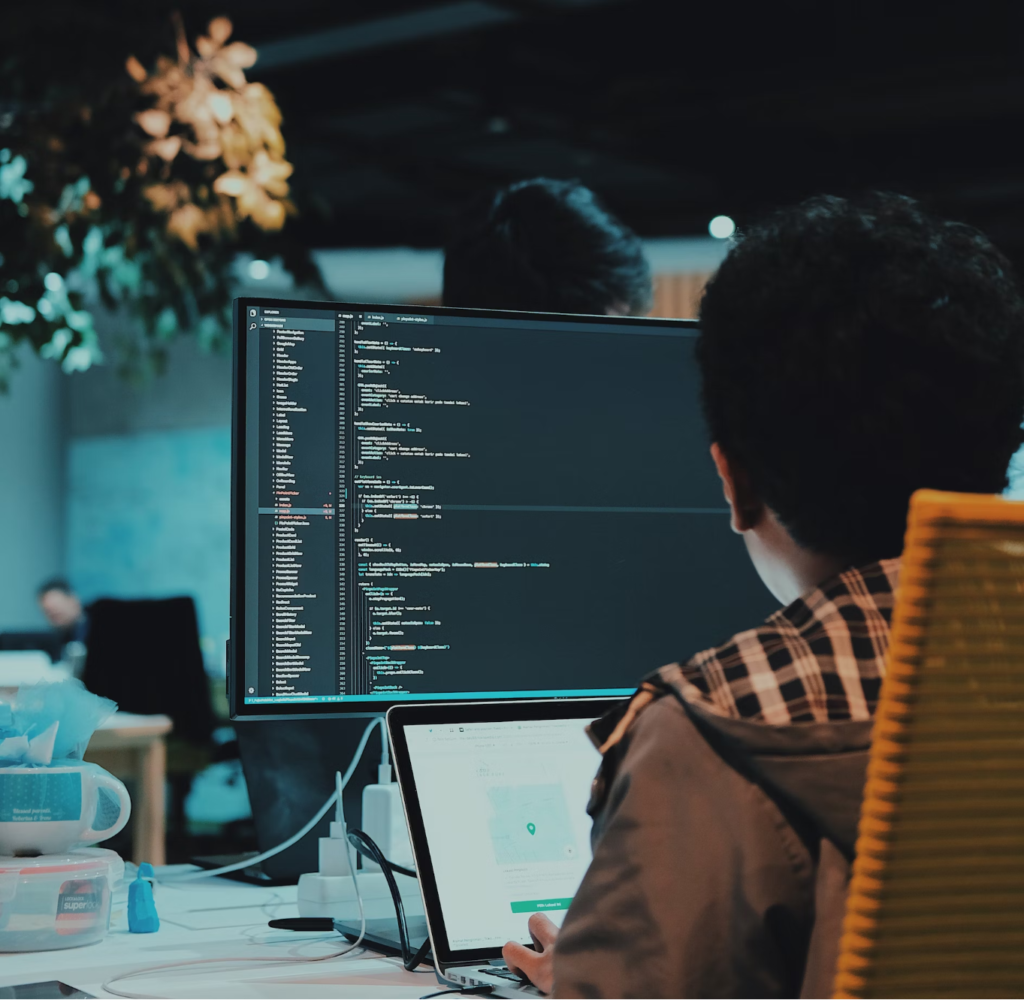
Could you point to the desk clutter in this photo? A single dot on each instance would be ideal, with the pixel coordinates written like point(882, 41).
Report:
point(215, 940)
point(57, 900)
point(55, 890)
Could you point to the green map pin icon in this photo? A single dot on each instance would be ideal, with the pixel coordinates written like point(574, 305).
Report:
point(531, 828)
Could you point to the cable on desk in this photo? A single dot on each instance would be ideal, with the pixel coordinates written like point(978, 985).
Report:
point(465, 991)
point(255, 958)
point(340, 783)
point(365, 845)
point(149, 969)
point(335, 799)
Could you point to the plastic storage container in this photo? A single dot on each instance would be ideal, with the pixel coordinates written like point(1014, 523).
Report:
point(57, 900)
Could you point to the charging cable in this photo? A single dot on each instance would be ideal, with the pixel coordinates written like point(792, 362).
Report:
point(340, 781)
point(276, 959)
point(335, 799)
point(365, 845)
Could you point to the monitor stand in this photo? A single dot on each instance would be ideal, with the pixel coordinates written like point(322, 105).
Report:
point(252, 875)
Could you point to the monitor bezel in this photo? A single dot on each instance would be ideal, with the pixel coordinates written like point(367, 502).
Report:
point(235, 680)
point(401, 716)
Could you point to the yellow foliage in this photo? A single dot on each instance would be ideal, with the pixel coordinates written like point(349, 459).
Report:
point(187, 222)
point(135, 69)
point(154, 121)
point(205, 108)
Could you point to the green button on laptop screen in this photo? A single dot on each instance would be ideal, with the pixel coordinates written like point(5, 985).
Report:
point(532, 905)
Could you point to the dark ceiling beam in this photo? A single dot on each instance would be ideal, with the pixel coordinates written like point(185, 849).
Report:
point(873, 104)
point(398, 29)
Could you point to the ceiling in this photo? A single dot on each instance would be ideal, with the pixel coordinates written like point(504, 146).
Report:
point(396, 112)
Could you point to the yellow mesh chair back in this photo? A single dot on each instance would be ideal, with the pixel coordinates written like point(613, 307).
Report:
point(936, 901)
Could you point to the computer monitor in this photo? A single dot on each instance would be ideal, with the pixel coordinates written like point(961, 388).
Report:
point(448, 504)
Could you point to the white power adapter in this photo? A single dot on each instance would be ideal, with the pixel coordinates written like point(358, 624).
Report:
point(332, 891)
point(384, 821)
point(334, 854)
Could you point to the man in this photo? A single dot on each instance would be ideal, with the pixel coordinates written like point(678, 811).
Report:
point(63, 610)
point(546, 245)
point(851, 353)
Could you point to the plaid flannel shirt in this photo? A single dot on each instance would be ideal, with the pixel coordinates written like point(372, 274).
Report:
point(821, 658)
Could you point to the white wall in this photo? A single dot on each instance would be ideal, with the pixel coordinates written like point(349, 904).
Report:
point(149, 515)
point(31, 500)
point(149, 485)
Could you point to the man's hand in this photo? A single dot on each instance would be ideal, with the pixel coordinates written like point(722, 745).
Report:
point(538, 966)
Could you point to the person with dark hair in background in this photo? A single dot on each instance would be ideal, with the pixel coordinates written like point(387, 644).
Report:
point(63, 609)
point(549, 246)
point(70, 620)
point(851, 352)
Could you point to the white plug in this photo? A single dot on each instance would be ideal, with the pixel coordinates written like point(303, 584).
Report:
point(384, 822)
point(334, 853)
point(331, 892)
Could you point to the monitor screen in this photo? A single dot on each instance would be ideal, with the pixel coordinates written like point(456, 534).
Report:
point(443, 504)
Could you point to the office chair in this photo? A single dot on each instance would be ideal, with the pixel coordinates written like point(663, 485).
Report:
point(145, 654)
point(936, 901)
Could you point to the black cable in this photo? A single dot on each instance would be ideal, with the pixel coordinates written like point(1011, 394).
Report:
point(466, 991)
point(420, 955)
point(365, 845)
point(382, 862)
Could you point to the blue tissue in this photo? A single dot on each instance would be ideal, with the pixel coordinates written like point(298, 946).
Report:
point(142, 915)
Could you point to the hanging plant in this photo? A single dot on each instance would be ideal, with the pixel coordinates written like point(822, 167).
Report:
point(141, 196)
point(206, 110)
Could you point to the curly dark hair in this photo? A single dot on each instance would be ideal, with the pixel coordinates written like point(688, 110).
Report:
point(545, 245)
point(854, 351)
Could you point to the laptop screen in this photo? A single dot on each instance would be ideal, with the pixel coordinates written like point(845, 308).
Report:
point(503, 806)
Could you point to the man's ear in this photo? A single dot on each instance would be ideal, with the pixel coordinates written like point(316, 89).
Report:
point(746, 509)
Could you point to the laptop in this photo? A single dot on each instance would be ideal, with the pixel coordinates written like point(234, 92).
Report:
point(495, 796)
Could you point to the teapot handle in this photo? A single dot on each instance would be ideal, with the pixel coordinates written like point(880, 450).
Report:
point(108, 781)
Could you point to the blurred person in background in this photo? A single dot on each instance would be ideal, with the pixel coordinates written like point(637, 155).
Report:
point(549, 246)
point(70, 620)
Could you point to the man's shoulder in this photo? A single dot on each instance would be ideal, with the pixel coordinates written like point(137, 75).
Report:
point(818, 659)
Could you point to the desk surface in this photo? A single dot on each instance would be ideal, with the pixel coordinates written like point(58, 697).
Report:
point(217, 919)
point(155, 725)
point(124, 728)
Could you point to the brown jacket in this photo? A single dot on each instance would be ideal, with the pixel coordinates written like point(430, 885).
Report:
point(721, 851)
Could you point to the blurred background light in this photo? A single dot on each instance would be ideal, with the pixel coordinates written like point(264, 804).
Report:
point(721, 227)
point(259, 270)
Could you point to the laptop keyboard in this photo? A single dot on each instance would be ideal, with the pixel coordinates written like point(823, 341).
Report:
point(498, 971)
point(503, 972)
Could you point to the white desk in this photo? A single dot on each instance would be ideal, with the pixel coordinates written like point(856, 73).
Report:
point(216, 918)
